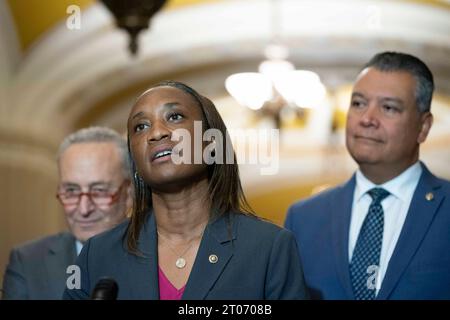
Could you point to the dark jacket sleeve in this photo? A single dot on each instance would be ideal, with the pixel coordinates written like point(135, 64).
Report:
point(285, 273)
point(77, 285)
point(14, 281)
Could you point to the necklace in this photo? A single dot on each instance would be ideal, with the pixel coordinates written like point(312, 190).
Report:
point(180, 263)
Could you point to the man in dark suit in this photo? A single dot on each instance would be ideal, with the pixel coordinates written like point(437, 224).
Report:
point(385, 233)
point(94, 191)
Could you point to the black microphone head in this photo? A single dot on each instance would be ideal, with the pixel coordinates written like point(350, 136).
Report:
point(105, 289)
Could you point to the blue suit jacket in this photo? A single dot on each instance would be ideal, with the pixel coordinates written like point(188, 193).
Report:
point(256, 260)
point(420, 265)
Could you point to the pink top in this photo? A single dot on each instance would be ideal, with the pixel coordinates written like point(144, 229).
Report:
point(167, 291)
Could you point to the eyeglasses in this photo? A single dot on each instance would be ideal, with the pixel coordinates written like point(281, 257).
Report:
point(97, 197)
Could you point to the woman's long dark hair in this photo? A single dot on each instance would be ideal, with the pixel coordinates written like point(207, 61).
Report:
point(225, 187)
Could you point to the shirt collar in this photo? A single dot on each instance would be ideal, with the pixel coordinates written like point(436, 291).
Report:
point(395, 186)
point(78, 246)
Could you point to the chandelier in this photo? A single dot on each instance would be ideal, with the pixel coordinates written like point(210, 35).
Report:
point(277, 88)
point(133, 16)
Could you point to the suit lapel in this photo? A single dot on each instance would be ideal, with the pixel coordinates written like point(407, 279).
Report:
point(420, 215)
point(215, 241)
point(340, 232)
point(61, 254)
point(142, 272)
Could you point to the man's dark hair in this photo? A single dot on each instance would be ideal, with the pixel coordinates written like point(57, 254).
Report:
point(396, 61)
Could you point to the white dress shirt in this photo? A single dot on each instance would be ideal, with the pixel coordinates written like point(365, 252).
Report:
point(78, 246)
point(395, 207)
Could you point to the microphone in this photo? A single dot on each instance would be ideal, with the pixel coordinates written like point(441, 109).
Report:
point(105, 289)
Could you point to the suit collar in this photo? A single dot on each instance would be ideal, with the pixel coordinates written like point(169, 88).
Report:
point(143, 277)
point(216, 242)
point(341, 215)
point(61, 254)
point(223, 228)
point(65, 244)
point(420, 215)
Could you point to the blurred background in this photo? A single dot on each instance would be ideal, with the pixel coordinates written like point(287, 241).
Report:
point(270, 64)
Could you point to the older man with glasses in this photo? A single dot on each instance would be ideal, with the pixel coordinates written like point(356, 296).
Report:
point(94, 190)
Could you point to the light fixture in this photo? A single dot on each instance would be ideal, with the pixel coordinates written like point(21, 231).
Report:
point(277, 85)
point(133, 16)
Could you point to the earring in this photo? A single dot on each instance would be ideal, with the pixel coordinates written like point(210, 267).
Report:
point(211, 157)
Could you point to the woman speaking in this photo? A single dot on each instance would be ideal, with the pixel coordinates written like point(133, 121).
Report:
point(191, 234)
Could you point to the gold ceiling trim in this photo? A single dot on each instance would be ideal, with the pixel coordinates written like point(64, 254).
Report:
point(435, 3)
point(33, 18)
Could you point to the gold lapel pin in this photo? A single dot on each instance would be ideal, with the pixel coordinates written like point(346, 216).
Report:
point(213, 258)
point(429, 196)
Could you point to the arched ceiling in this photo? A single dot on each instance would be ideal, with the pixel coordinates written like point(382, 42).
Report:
point(35, 17)
point(205, 43)
point(30, 26)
